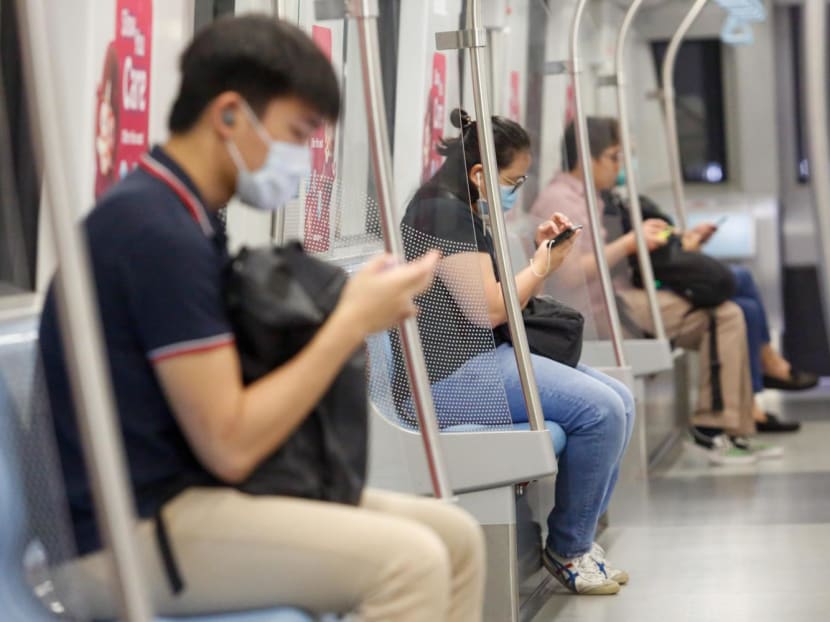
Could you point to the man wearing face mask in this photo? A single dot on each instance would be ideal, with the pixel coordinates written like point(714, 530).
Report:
point(253, 91)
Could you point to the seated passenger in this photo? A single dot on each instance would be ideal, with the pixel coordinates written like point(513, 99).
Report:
point(595, 411)
point(720, 434)
point(768, 367)
point(253, 91)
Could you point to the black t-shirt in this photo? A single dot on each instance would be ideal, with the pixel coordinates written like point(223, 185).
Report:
point(158, 273)
point(449, 336)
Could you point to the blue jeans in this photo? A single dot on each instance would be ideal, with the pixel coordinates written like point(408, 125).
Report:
point(597, 414)
point(748, 298)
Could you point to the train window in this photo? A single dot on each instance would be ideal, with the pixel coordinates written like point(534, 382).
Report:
point(205, 11)
point(19, 181)
point(700, 109)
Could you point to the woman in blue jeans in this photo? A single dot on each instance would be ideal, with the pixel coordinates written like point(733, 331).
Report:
point(456, 322)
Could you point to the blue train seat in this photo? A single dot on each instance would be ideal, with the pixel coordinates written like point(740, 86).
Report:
point(17, 345)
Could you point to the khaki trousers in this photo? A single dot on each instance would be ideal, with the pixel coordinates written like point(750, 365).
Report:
point(691, 331)
point(395, 558)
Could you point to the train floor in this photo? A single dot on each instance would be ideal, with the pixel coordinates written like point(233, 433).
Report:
point(713, 544)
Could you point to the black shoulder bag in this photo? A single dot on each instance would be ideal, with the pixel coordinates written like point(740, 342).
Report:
point(554, 330)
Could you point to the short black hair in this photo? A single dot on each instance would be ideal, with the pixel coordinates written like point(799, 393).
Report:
point(603, 132)
point(260, 58)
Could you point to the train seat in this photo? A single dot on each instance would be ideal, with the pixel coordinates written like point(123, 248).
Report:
point(18, 341)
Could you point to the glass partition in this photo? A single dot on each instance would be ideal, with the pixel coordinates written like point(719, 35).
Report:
point(555, 183)
point(435, 149)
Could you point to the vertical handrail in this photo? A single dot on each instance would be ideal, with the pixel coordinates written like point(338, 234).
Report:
point(366, 13)
point(815, 99)
point(643, 255)
point(507, 280)
point(670, 111)
point(584, 149)
point(278, 217)
point(80, 330)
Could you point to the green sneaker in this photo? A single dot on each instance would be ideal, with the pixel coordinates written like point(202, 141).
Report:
point(764, 451)
point(720, 450)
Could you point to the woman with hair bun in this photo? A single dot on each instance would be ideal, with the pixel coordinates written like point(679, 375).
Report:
point(450, 211)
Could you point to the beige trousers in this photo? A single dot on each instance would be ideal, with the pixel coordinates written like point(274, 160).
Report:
point(691, 331)
point(395, 558)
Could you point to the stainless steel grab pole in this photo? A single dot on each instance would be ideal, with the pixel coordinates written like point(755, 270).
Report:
point(594, 215)
point(507, 280)
point(278, 217)
point(670, 111)
point(365, 12)
point(78, 312)
point(815, 98)
point(643, 255)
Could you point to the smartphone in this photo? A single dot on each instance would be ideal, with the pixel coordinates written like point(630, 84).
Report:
point(567, 234)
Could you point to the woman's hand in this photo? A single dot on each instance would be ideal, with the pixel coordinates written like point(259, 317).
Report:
point(551, 228)
point(548, 260)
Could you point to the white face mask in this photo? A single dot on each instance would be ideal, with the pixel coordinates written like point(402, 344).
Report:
point(277, 181)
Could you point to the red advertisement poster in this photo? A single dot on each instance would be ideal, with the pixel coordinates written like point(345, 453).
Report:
point(431, 160)
point(122, 103)
point(515, 102)
point(323, 172)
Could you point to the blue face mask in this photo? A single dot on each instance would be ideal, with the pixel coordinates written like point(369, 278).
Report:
point(621, 178)
point(277, 181)
point(508, 198)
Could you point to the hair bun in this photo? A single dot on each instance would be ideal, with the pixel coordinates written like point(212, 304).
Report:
point(460, 119)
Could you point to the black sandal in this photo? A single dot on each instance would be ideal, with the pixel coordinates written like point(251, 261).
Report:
point(774, 424)
point(798, 381)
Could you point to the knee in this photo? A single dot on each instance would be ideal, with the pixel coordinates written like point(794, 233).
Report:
point(612, 411)
point(417, 571)
point(730, 316)
point(464, 539)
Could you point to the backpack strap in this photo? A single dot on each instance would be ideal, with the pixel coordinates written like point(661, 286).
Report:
point(714, 362)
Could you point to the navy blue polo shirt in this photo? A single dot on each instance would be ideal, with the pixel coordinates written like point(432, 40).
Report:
point(158, 259)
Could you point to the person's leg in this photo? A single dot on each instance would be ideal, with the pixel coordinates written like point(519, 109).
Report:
point(630, 412)
point(239, 552)
point(778, 370)
point(755, 320)
point(746, 288)
point(736, 416)
point(461, 535)
point(594, 419)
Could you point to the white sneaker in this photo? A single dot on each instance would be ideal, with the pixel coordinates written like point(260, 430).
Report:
point(615, 574)
point(580, 575)
point(761, 450)
point(720, 450)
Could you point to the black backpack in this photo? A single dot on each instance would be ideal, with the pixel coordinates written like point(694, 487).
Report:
point(277, 300)
point(702, 280)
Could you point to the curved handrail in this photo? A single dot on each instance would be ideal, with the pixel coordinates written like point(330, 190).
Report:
point(670, 111)
point(643, 255)
point(584, 150)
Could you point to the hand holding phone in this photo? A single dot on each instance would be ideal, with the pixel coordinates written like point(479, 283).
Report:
point(565, 235)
